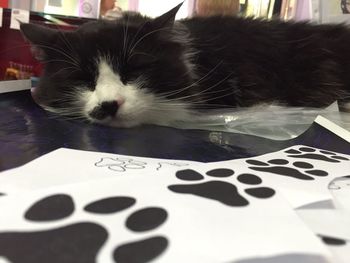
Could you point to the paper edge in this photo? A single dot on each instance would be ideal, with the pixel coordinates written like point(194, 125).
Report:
point(334, 128)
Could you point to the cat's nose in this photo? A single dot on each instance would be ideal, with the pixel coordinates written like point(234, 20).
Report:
point(104, 110)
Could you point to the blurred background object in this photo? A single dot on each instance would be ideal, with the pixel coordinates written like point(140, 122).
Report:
point(68, 14)
point(18, 71)
point(345, 6)
point(110, 9)
point(218, 7)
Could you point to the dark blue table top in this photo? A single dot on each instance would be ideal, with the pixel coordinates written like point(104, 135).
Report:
point(27, 132)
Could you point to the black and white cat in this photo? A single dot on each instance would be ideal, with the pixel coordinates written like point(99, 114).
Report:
point(137, 70)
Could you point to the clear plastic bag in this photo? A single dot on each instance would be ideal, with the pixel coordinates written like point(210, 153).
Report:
point(274, 122)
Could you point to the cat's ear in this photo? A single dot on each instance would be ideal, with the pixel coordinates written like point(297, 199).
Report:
point(167, 19)
point(40, 38)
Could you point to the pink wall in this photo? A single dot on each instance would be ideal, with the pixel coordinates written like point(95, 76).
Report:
point(303, 11)
point(133, 5)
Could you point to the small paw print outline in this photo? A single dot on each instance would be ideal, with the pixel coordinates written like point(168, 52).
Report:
point(87, 237)
point(118, 164)
point(162, 164)
point(221, 191)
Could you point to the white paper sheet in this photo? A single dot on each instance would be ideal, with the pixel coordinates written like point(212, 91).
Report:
point(341, 251)
point(327, 222)
point(67, 166)
point(301, 173)
point(340, 190)
point(195, 229)
point(332, 226)
point(232, 211)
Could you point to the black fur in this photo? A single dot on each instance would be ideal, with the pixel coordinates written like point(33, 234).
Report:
point(296, 64)
point(224, 61)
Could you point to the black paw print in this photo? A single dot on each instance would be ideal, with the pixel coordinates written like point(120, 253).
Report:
point(315, 154)
point(120, 164)
point(221, 191)
point(333, 241)
point(278, 166)
point(81, 242)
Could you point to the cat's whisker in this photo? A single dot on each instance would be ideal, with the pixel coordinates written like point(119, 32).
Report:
point(126, 28)
point(140, 53)
point(179, 103)
point(71, 108)
point(215, 98)
point(205, 91)
point(55, 116)
point(65, 111)
point(144, 36)
point(210, 106)
point(163, 103)
point(63, 69)
point(172, 93)
point(66, 114)
point(61, 52)
point(61, 60)
point(64, 39)
point(228, 91)
point(135, 36)
point(58, 114)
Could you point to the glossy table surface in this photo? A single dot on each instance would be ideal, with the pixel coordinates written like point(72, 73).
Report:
point(27, 132)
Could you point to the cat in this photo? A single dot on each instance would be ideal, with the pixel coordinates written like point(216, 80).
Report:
point(139, 70)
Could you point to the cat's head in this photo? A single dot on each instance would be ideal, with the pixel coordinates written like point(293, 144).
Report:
point(121, 73)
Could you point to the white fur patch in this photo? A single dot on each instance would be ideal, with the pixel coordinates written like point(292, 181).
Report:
point(139, 105)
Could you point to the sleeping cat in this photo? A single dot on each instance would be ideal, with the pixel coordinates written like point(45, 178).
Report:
point(137, 70)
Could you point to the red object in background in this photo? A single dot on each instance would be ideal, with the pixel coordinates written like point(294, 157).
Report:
point(13, 47)
point(4, 3)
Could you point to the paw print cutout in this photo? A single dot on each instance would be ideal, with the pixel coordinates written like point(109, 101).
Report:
point(80, 242)
point(300, 170)
point(221, 191)
point(332, 241)
point(315, 154)
point(120, 164)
